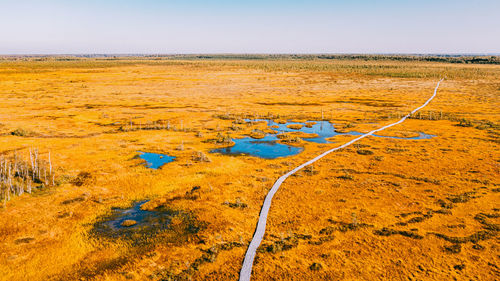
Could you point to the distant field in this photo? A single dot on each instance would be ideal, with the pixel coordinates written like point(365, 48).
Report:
point(385, 208)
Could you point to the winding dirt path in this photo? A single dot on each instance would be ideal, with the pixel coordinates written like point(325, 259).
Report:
point(246, 269)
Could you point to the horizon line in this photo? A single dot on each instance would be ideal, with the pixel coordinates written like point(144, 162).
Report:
point(248, 54)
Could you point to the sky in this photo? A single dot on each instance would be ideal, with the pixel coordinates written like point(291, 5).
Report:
point(258, 26)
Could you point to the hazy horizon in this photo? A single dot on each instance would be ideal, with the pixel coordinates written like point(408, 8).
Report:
point(242, 54)
point(151, 27)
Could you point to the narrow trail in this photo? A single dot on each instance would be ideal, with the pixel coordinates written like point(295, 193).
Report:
point(246, 269)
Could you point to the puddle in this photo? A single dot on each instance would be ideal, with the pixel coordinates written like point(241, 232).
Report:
point(269, 148)
point(324, 129)
point(112, 225)
point(155, 160)
point(140, 225)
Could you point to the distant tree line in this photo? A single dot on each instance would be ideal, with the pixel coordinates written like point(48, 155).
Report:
point(479, 59)
point(446, 58)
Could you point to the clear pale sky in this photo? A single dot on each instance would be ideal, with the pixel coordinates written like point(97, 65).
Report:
point(258, 26)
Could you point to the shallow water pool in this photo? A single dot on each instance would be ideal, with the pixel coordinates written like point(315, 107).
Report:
point(269, 147)
point(155, 160)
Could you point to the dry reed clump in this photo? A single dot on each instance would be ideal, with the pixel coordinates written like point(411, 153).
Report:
point(221, 139)
point(199, 156)
point(310, 124)
point(236, 205)
point(288, 138)
point(154, 125)
point(385, 231)
point(127, 223)
point(227, 116)
point(82, 178)
point(295, 126)
point(316, 266)
point(180, 147)
point(364, 152)
point(257, 134)
point(309, 170)
point(22, 133)
point(19, 176)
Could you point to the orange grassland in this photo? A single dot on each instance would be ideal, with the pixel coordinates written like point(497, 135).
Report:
point(383, 209)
